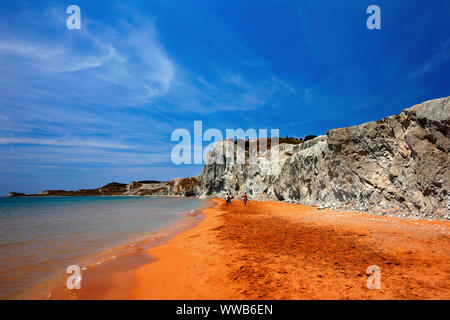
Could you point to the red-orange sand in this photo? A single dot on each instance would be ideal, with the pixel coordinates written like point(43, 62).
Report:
point(273, 250)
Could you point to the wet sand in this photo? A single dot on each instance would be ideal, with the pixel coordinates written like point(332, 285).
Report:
point(112, 278)
point(273, 250)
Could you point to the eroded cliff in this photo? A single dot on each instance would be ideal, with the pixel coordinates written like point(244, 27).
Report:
point(398, 165)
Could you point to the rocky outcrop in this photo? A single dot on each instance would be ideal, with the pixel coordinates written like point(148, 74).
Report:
point(184, 186)
point(149, 188)
point(112, 188)
point(398, 166)
point(177, 187)
point(16, 194)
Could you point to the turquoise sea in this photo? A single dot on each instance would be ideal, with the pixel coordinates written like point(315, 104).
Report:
point(41, 236)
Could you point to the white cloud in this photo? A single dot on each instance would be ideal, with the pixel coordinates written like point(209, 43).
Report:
point(89, 62)
point(436, 60)
point(307, 97)
point(125, 68)
point(29, 50)
point(66, 142)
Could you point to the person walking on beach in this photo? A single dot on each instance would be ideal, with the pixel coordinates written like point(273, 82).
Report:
point(245, 198)
point(228, 199)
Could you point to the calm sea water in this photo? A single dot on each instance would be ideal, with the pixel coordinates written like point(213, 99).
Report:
point(40, 237)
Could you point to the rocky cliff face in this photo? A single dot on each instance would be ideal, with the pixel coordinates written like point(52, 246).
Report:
point(399, 165)
point(177, 187)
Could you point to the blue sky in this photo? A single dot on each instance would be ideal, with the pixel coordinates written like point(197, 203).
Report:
point(81, 108)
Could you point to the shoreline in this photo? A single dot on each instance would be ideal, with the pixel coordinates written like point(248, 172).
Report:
point(101, 268)
point(184, 268)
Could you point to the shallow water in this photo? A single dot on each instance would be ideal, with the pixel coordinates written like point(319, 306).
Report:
point(41, 237)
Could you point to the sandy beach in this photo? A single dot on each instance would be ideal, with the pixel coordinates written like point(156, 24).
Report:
point(273, 250)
